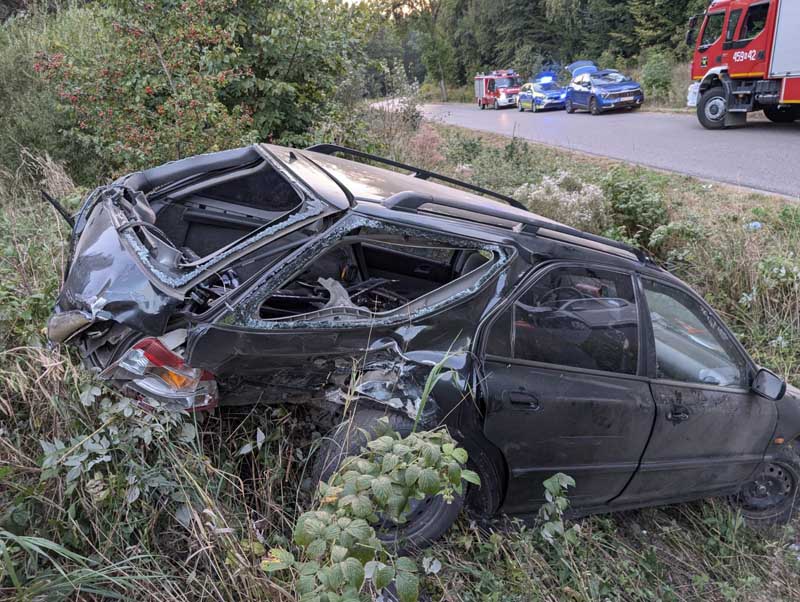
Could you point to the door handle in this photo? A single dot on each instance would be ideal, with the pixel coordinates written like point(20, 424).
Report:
point(520, 398)
point(678, 414)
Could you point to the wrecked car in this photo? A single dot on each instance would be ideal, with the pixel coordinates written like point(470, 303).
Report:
point(269, 275)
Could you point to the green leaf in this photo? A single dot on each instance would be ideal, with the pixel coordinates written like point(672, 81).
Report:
point(405, 564)
point(460, 455)
point(338, 553)
point(454, 473)
point(429, 481)
point(412, 474)
point(390, 462)
point(407, 587)
point(316, 548)
point(353, 572)
point(383, 576)
point(471, 477)
point(362, 506)
point(381, 488)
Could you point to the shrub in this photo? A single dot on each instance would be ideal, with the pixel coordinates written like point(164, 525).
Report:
point(148, 92)
point(657, 74)
point(567, 199)
point(338, 541)
point(637, 208)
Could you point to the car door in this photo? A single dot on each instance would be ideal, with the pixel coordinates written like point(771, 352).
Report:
point(747, 53)
point(526, 96)
point(711, 430)
point(563, 387)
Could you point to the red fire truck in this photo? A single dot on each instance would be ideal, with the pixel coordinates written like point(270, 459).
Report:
point(747, 58)
point(497, 89)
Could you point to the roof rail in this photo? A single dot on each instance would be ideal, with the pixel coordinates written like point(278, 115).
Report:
point(422, 174)
point(531, 223)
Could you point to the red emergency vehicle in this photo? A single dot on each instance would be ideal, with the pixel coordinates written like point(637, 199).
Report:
point(497, 89)
point(747, 58)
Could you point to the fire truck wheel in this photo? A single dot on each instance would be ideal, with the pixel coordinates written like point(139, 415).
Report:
point(782, 114)
point(496, 106)
point(712, 108)
point(481, 106)
point(568, 106)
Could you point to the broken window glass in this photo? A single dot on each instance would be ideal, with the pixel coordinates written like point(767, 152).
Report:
point(211, 218)
point(371, 277)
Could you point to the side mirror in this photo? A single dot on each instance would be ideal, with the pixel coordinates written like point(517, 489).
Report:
point(769, 385)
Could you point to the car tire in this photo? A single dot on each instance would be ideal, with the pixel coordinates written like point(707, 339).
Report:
point(772, 497)
point(533, 107)
point(782, 115)
point(430, 519)
point(520, 108)
point(712, 108)
point(594, 109)
point(568, 106)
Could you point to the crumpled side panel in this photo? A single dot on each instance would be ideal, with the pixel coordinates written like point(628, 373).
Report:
point(107, 283)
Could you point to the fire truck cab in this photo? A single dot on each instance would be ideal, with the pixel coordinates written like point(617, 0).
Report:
point(746, 58)
point(497, 89)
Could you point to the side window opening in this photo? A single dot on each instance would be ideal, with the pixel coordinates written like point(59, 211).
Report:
point(755, 21)
point(733, 23)
point(213, 217)
point(367, 277)
point(712, 30)
point(691, 346)
point(578, 317)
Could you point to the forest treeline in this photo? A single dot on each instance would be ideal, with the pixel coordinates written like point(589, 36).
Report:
point(452, 39)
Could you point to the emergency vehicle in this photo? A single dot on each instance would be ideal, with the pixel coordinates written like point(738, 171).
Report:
point(747, 58)
point(497, 89)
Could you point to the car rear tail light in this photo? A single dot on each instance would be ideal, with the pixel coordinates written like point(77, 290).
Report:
point(151, 370)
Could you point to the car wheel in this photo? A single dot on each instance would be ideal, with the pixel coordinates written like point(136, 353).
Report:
point(429, 518)
point(594, 109)
point(782, 114)
point(568, 106)
point(771, 497)
point(712, 108)
point(534, 109)
point(520, 108)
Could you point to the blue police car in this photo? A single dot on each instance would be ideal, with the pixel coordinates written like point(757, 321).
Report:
point(542, 93)
point(599, 90)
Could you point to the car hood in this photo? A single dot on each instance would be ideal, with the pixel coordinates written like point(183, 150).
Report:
point(622, 87)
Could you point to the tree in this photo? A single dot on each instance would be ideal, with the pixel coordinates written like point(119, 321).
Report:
point(427, 17)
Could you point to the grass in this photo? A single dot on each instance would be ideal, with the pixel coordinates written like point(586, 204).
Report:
point(183, 507)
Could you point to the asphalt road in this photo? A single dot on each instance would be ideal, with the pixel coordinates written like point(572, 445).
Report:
point(763, 156)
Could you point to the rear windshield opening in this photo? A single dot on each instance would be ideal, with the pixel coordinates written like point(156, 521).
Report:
point(372, 277)
point(213, 217)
